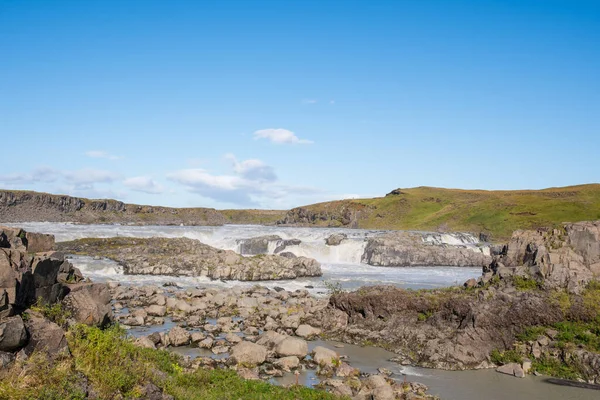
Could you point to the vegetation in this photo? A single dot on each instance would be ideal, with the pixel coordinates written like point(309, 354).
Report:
point(116, 368)
point(258, 217)
point(498, 213)
point(505, 357)
point(525, 283)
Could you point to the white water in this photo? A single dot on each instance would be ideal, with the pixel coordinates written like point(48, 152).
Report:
point(340, 264)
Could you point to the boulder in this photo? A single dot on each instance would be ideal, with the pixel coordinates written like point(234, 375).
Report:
point(257, 245)
point(178, 336)
point(13, 335)
point(6, 359)
point(335, 239)
point(90, 304)
point(270, 339)
point(307, 332)
point(287, 363)
point(291, 346)
point(45, 336)
point(513, 369)
point(248, 353)
point(39, 242)
point(325, 357)
point(156, 310)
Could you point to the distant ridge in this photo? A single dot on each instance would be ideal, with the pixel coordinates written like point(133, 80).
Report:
point(493, 213)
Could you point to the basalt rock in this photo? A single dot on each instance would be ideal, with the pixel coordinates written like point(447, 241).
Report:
point(406, 249)
point(89, 303)
point(566, 257)
point(188, 257)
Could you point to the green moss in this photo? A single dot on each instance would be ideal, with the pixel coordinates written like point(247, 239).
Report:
point(525, 283)
point(504, 357)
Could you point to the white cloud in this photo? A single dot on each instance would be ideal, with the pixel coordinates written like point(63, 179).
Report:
point(40, 174)
point(90, 176)
point(309, 101)
point(253, 169)
point(143, 184)
point(280, 136)
point(101, 154)
point(251, 183)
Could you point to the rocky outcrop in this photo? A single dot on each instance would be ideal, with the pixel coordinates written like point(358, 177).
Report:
point(12, 333)
point(45, 336)
point(457, 329)
point(188, 257)
point(264, 244)
point(334, 214)
point(406, 249)
point(24, 206)
point(335, 239)
point(566, 257)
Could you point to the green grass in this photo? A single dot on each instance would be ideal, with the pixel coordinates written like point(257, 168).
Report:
point(496, 212)
point(525, 284)
point(116, 368)
point(505, 357)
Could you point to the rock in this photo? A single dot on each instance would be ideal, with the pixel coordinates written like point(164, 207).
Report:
point(257, 245)
point(471, 283)
point(307, 331)
point(220, 349)
point(526, 365)
point(335, 239)
point(178, 336)
point(6, 359)
point(152, 392)
point(325, 357)
point(13, 335)
point(156, 310)
point(270, 339)
point(375, 381)
point(405, 249)
point(206, 343)
point(344, 371)
point(45, 336)
point(90, 304)
point(248, 373)
point(291, 321)
point(233, 338)
point(384, 393)
point(248, 353)
point(145, 342)
point(38, 242)
point(513, 369)
point(287, 363)
point(197, 337)
point(188, 257)
point(291, 346)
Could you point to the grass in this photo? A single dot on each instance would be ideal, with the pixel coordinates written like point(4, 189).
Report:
point(498, 213)
point(116, 368)
point(504, 357)
point(525, 284)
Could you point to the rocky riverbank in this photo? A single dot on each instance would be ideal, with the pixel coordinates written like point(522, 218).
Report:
point(259, 333)
point(541, 281)
point(189, 257)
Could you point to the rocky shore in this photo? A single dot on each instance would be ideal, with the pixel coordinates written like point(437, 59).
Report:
point(539, 283)
point(257, 332)
point(189, 257)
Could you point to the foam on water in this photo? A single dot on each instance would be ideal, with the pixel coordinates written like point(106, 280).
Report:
point(339, 263)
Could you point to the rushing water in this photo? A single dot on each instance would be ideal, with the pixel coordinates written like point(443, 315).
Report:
point(339, 264)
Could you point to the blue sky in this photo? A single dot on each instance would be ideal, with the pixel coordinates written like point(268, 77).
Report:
point(275, 104)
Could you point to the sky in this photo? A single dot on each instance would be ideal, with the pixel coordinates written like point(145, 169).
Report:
point(276, 104)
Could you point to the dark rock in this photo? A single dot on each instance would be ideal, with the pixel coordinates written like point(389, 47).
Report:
point(45, 336)
point(90, 304)
point(336, 239)
point(13, 335)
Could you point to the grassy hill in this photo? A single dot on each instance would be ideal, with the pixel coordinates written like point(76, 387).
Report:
point(497, 213)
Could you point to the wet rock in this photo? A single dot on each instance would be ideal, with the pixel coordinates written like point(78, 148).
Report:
point(156, 310)
point(344, 370)
point(248, 353)
point(206, 343)
point(233, 338)
point(248, 373)
point(325, 357)
point(145, 342)
point(335, 239)
point(220, 349)
point(197, 337)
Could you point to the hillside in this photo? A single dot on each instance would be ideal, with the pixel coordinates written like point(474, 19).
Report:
point(496, 213)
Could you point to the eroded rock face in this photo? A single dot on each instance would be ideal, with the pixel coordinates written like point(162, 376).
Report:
point(562, 258)
point(188, 257)
point(406, 249)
